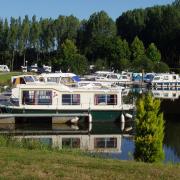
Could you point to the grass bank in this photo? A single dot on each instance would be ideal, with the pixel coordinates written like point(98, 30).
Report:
point(35, 161)
point(5, 77)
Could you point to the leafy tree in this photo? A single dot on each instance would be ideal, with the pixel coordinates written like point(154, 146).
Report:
point(34, 33)
point(100, 64)
point(149, 130)
point(66, 28)
point(176, 3)
point(153, 53)
point(71, 60)
point(137, 49)
point(95, 32)
point(158, 24)
point(161, 67)
point(131, 24)
point(79, 64)
point(13, 38)
point(143, 63)
point(5, 35)
point(124, 64)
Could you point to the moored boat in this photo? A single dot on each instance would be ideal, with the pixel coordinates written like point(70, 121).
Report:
point(104, 104)
point(166, 80)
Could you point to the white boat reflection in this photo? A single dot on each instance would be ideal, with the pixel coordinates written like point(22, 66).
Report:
point(105, 138)
point(166, 93)
point(93, 143)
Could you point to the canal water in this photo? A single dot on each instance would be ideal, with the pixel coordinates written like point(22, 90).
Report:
point(110, 140)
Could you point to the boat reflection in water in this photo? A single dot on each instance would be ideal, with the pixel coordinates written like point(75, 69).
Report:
point(166, 93)
point(102, 137)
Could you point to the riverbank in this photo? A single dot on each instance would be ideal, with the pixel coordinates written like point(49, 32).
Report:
point(5, 77)
point(31, 162)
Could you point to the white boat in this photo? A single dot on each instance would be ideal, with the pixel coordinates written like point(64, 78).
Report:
point(96, 75)
point(166, 80)
point(104, 104)
point(117, 79)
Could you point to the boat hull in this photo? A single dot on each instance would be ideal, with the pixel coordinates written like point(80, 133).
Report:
point(97, 115)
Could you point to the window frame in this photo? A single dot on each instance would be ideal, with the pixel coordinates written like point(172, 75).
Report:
point(75, 101)
point(106, 97)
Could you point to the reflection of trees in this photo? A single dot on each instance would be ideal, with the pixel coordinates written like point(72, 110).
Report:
point(170, 107)
point(172, 136)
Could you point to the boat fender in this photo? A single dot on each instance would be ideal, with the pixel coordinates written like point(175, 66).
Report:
point(128, 129)
point(129, 115)
point(74, 120)
point(74, 127)
point(90, 127)
point(122, 126)
point(90, 118)
point(122, 118)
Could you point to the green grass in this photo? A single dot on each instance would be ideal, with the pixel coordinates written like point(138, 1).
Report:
point(20, 160)
point(5, 77)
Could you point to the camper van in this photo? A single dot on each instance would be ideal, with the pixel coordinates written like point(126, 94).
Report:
point(4, 68)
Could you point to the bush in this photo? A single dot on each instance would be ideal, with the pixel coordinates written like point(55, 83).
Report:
point(149, 130)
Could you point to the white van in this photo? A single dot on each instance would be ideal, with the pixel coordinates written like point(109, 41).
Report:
point(4, 68)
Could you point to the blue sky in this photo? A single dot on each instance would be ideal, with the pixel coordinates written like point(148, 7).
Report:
point(79, 8)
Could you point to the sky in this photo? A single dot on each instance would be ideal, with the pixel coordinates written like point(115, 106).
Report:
point(82, 9)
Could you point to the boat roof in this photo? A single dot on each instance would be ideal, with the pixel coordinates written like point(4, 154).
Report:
point(62, 87)
point(57, 74)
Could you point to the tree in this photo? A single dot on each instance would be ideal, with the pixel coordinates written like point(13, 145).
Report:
point(34, 33)
point(176, 3)
point(95, 32)
point(158, 24)
point(137, 49)
point(124, 64)
point(71, 60)
point(149, 130)
point(79, 65)
point(13, 39)
point(161, 67)
point(66, 28)
point(24, 36)
point(153, 53)
point(100, 64)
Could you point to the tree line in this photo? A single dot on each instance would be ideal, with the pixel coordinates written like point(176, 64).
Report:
point(140, 39)
point(158, 24)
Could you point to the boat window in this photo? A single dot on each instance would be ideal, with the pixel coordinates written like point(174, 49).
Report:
point(166, 78)
point(124, 77)
point(156, 78)
point(38, 97)
point(105, 142)
point(71, 99)
point(105, 99)
point(70, 142)
point(28, 79)
point(174, 77)
point(66, 80)
point(113, 76)
point(53, 79)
